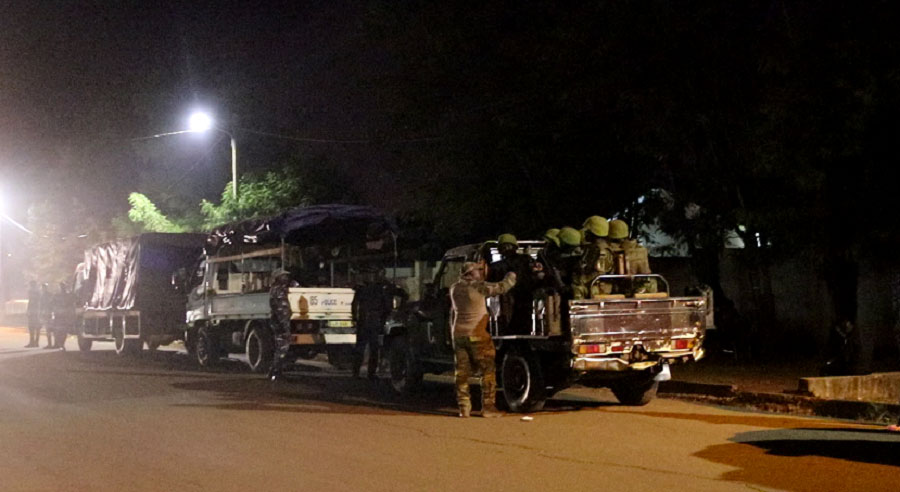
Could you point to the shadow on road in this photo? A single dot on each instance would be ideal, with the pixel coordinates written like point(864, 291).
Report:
point(804, 459)
point(74, 377)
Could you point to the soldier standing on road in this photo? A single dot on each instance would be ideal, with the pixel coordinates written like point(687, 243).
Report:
point(34, 315)
point(372, 303)
point(280, 320)
point(472, 345)
point(46, 315)
point(63, 315)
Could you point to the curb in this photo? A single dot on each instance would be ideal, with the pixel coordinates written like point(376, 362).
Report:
point(795, 404)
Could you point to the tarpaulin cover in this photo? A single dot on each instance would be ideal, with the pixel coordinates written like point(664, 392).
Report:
point(123, 273)
point(303, 225)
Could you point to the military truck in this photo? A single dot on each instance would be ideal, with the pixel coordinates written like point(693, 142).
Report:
point(323, 247)
point(624, 340)
point(124, 291)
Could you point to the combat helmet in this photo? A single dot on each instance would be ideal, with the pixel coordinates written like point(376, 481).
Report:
point(569, 236)
point(507, 239)
point(552, 235)
point(596, 225)
point(618, 229)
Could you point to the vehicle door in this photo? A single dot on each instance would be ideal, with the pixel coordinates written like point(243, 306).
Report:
point(436, 306)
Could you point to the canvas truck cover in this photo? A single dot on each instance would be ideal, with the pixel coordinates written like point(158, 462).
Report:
point(125, 273)
point(303, 225)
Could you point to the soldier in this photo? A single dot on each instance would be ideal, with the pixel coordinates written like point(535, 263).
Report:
point(280, 320)
point(372, 303)
point(515, 307)
point(472, 345)
point(636, 258)
point(34, 315)
point(63, 315)
point(597, 259)
point(46, 314)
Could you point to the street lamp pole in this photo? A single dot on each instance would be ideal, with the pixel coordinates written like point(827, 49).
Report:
point(201, 122)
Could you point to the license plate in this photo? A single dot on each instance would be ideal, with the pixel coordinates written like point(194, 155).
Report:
point(340, 324)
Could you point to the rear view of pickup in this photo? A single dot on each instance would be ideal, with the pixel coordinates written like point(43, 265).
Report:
point(624, 340)
point(621, 342)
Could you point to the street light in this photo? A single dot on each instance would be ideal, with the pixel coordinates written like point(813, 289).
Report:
point(201, 122)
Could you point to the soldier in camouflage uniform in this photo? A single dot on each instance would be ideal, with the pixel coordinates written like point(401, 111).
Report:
point(280, 320)
point(472, 345)
point(637, 260)
point(597, 259)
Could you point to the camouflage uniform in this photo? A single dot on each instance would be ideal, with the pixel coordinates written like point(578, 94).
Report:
point(597, 260)
point(280, 321)
point(472, 345)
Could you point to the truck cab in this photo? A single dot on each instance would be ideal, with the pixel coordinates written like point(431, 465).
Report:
point(624, 340)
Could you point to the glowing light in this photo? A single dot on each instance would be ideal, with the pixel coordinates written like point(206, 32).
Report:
point(200, 122)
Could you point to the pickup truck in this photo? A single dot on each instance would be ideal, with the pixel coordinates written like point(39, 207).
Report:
point(624, 340)
point(321, 246)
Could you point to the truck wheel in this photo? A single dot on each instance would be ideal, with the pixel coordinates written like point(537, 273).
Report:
point(406, 374)
point(152, 345)
point(635, 393)
point(84, 344)
point(260, 349)
point(340, 357)
point(190, 341)
point(207, 349)
point(126, 346)
point(523, 382)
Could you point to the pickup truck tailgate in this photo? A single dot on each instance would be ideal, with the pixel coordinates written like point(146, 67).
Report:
point(320, 303)
point(638, 319)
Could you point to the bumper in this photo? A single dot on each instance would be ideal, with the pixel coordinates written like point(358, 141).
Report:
point(625, 362)
point(323, 339)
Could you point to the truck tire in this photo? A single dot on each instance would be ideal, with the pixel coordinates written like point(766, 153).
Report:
point(340, 357)
point(84, 344)
point(190, 341)
point(153, 345)
point(260, 349)
point(635, 392)
point(126, 346)
point(207, 350)
point(406, 373)
point(523, 382)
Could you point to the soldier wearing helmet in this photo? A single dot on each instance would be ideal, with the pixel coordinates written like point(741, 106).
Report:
point(636, 260)
point(280, 319)
point(597, 258)
point(515, 306)
point(472, 345)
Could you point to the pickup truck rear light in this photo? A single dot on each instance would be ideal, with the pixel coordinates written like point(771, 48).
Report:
point(595, 348)
point(684, 344)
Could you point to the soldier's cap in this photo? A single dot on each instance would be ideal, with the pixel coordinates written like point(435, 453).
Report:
point(279, 272)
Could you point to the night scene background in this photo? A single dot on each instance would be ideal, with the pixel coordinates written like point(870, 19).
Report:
point(769, 124)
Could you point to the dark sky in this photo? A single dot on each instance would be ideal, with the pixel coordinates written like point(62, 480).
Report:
point(79, 79)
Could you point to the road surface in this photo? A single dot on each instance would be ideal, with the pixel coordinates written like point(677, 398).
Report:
point(94, 421)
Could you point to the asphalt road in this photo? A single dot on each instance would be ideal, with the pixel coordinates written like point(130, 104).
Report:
point(94, 421)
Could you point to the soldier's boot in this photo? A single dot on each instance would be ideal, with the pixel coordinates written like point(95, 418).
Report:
point(490, 411)
point(275, 372)
point(465, 410)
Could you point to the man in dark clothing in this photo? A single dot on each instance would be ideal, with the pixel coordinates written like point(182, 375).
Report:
point(515, 306)
point(34, 315)
point(45, 315)
point(280, 320)
point(372, 303)
point(63, 315)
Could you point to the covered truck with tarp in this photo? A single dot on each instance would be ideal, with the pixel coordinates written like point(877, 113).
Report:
point(124, 291)
point(323, 247)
